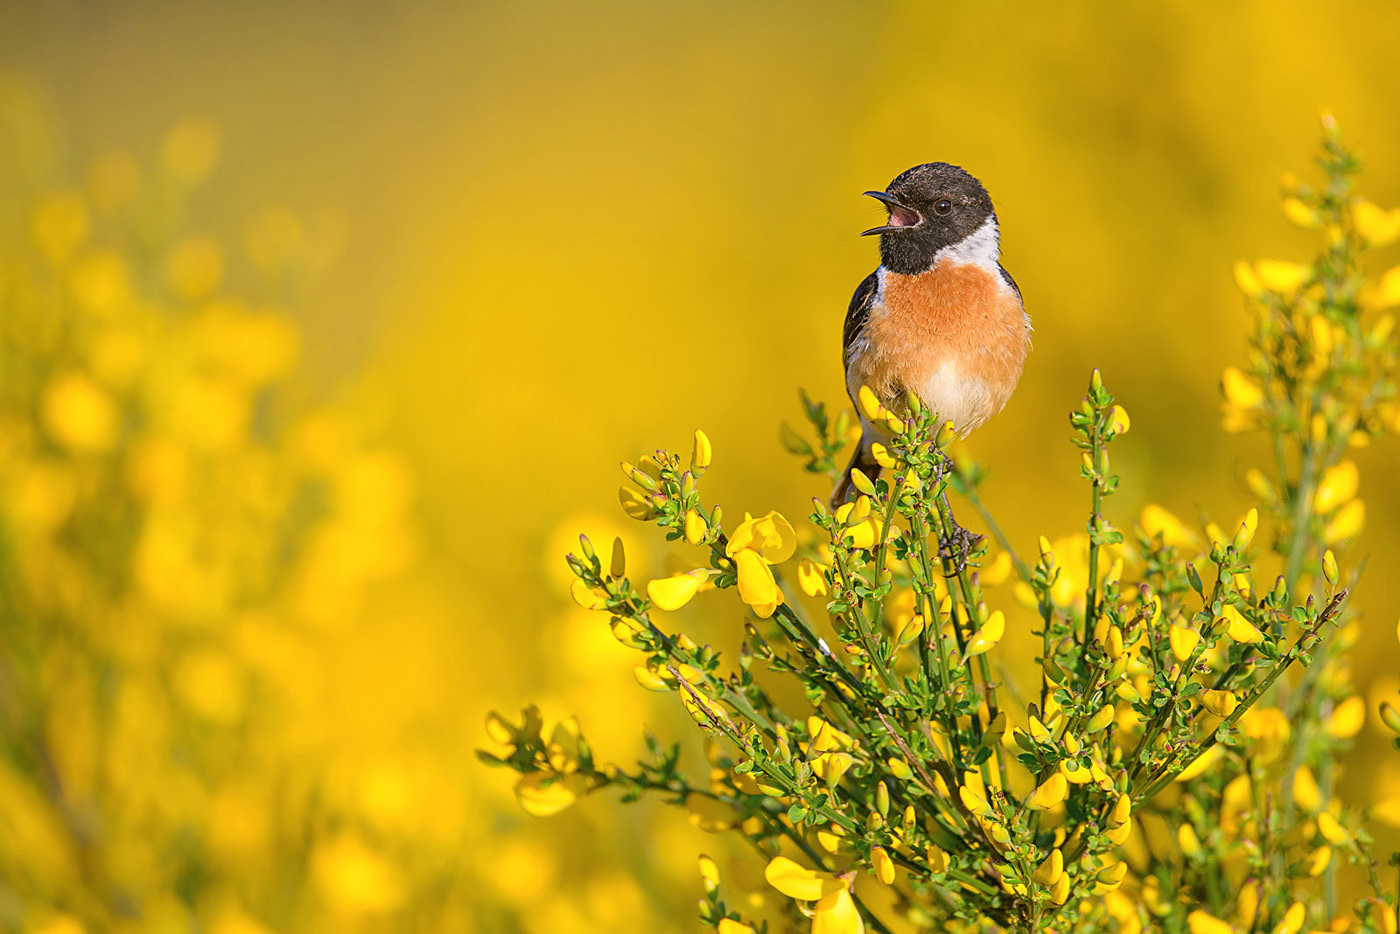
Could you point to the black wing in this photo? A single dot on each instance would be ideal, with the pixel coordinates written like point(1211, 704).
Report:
point(1010, 281)
point(856, 315)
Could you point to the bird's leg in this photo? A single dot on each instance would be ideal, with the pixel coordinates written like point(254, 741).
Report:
point(955, 543)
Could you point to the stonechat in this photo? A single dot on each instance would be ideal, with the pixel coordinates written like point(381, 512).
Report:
point(941, 317)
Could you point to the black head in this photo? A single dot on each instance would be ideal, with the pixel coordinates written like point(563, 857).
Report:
point(931, 206)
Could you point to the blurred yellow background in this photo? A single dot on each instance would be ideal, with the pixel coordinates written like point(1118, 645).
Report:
point(540, 238)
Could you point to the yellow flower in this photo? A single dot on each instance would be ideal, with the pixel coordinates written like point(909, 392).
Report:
point(869, 404)
point(864, 530)
point(1347, 523)
point(1269, 730)
point(701, 453)
point(1188, 841)
point(1292, 921)
point(695, 527)
point(794, 881)
point(1157, 521)
point(1111, 877)
point(1248, 525)
point(989, 635)
point(1329, 566)
point(1240, 390)
point(997, 571)
point(1239, 628)
point(883, 865)
point(1317, 861)
point(1246, 280)
point(770, 536)
point(1332, 831)
point(649, 679)
point(1338, 485)
point(1119, 418)
point(1199, 922)
point(1183, 641)
point(1306, 794)
point(1376, 225)
point(1386, 292)
point(882, 456)
point(1204, 761)
point(1101, 719)
point(757, 587)
point(702, 709)
point(1282, 277)
point(1301, 214)
point(826, 737)
point(674, 592)
point(635, 503)
point(831, 766)
point(1221, 703)
point(974, 794)
point(837, 914)
point(1347, 719)
point(1050, 870)
point(1050, 793)
point(79, 414)
point(730, 926)
point(811, 577)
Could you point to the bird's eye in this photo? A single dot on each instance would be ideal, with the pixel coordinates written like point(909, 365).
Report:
point(943, 208)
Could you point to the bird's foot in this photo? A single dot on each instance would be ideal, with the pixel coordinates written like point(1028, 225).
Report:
point(956, 546)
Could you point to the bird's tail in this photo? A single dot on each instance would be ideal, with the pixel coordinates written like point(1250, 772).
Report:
point(865, 460)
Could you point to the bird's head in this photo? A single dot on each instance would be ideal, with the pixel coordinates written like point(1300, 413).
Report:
point(932, 207)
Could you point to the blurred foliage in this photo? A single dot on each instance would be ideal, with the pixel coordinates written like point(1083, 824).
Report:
point(178, 544)
point(698, 176)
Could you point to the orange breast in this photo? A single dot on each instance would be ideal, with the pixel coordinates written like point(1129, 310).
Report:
point(955, 335)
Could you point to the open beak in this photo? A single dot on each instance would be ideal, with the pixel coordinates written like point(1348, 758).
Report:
point(900, 215)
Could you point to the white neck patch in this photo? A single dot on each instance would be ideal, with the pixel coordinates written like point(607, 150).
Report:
point(981, 248)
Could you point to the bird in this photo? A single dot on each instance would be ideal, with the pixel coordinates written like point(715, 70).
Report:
point(940, 317)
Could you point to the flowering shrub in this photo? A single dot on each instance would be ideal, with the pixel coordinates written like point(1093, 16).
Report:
point(1169, 760)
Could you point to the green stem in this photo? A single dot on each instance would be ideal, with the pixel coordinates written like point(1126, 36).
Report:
point(970, 600)
point(1302, 506)
point(933, 629)
point(1095, 521)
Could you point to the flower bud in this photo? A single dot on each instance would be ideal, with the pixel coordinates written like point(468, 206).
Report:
point(701, 453)
point(1247, 528)
point(1390, 716)
point(639, 477)
point(869, 404)
point(1220, 703)
point(695, 528)
point(1329, 567)
point(1118, 418)
point(618, 566)
point(883, 865)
